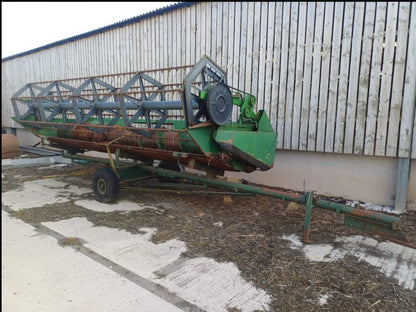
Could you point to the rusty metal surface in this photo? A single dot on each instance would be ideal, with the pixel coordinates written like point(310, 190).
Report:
point(136, 152)
point(137, 143)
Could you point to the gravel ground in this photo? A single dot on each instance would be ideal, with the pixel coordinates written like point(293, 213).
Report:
point(245, 230)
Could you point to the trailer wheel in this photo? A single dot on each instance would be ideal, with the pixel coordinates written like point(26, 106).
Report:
point(106, 185)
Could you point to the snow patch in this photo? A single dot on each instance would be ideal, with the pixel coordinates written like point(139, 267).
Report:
point(391, 259)
point(122, 205)
point(39, 193)
point(294, 239)
point(323, 299)
point(371, 206)
point(320, 253)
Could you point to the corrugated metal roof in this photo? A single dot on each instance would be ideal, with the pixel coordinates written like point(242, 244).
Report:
point(123, 23)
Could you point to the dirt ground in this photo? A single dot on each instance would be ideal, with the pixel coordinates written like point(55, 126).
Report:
point(250, 236)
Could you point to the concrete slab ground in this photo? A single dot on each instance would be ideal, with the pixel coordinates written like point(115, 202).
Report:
point(40, 275)
point(72, 264)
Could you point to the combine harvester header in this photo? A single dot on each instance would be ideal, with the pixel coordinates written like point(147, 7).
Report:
point(186, 123)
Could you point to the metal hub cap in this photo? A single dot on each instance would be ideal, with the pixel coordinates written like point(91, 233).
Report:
point(220, 104)
point(101, 186)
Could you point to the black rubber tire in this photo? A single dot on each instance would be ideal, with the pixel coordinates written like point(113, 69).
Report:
point(220, 104)
point(106, 185)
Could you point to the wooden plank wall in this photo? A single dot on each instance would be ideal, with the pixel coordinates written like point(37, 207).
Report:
point(336, 77)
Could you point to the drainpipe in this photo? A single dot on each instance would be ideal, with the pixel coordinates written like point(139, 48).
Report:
point(403, 173)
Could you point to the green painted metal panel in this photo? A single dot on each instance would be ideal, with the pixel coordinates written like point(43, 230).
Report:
point(381, 229)
point(256, 146)
point(131, 173)
point(203, 138)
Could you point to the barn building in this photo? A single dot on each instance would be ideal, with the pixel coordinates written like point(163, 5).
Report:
point(337, 79)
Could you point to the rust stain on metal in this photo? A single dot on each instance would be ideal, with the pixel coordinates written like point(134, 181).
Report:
point(398, 240)
point(137, 152)
point(172, 141)
point(288, 194)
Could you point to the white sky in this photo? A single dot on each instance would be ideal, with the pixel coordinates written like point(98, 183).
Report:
point(29, 25)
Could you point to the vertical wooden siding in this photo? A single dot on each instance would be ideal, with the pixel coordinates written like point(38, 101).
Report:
point(333, 76)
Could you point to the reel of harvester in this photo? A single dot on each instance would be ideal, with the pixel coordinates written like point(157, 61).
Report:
point(187, 123)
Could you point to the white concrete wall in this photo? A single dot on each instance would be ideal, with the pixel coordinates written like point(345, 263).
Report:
point(24, 137)
point(370, 179)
